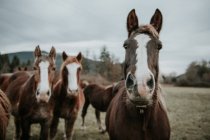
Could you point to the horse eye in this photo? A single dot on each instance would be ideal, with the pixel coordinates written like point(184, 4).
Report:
point(34, 68)
point(53, 68)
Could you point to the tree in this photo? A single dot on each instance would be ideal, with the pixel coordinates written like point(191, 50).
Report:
point(104, 56)
point(4, 63)
point(15, 62)
point(28, 62)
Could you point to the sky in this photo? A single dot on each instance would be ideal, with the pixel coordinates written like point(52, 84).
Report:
point(87, 26)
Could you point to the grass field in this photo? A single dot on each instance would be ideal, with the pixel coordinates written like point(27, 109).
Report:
point(189, 115)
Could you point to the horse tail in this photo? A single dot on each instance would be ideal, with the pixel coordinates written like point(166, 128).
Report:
point(4, 114)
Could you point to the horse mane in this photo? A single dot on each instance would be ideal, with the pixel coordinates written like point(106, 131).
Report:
point(4, 114)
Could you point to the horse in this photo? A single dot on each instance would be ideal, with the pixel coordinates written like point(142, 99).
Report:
point(68, 95)
point(4, 114)
point(99, 97)
point(5, 78)
point(138, 110)
point(4, 81)
point(31, 98)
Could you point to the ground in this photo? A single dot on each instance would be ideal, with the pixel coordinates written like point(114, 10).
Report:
point(189, 115)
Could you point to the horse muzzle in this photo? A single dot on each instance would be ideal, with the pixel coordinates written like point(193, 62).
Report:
point(43, 97)
point(139, 93)
point(72, 92)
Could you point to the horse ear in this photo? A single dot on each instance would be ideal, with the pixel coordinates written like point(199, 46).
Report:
point(52, 53)
point(156, 20)
point(37, 52)
point(132, 21)
point(64, 55)
point(79, 57)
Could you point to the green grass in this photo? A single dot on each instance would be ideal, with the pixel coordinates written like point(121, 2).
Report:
point(189, 115)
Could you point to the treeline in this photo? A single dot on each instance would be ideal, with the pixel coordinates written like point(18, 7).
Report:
point(196, 75)
point(106, 66)
point(7, 66)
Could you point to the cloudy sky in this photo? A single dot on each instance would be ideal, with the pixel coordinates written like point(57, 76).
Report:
point(87, 25)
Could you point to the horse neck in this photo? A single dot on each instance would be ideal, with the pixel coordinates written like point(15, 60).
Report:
point(31, 84)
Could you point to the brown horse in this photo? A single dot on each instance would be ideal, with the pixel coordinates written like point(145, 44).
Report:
point(30, 96)
point(138, 111)
point(4, 114)
point(13, 93)
point(4, 81)
point(5, 78)
point(68, 95)
point(99, 97)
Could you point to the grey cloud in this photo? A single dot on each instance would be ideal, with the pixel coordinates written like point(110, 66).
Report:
point(185, 33)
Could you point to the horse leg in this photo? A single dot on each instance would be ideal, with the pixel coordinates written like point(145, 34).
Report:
point(98, 118)
point(17, 128)
point(25, 125)
point(53, 127)
point(69, 125)
point(44, 133)
point(84, 112)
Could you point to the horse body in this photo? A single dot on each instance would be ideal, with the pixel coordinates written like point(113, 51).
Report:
point(4, 81)
point(68, 100)
point(17, 80)
point(99, 97)
point(137, 111)
point(7, 78)
point(30, 111)
point(4, 114)
point(126, 117)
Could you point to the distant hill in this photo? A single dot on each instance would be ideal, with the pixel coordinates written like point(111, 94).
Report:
point(108, 69)
point(29, 55)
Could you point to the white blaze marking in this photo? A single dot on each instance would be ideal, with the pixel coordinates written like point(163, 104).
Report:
point(72, 76)
point(142, 70)
point(44, 82)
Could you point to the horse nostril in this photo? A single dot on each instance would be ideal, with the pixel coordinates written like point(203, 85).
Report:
point(37, 92)
point(130, 82)
point(150, 83)
point(48, 93)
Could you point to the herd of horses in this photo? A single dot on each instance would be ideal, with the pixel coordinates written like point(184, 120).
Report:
point(134, 106)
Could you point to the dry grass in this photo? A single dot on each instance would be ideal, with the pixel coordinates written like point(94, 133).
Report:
point(189, 114)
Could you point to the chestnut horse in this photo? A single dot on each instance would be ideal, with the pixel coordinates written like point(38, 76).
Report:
point(4, 114)
point(138, 110)
point(99, 97)
point(4, 81)
point(68, 95)
point(5, 78)
point(31, 99)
